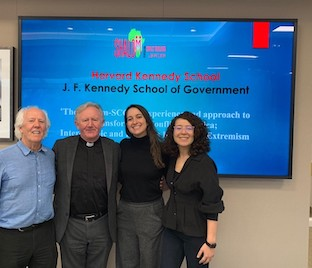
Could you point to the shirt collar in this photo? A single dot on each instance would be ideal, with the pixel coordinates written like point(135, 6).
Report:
point(26, 150)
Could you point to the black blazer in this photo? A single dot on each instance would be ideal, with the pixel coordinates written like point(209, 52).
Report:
point(65, 150)
point(195, 196)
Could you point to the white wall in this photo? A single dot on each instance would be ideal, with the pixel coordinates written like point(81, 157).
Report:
point(265, 223)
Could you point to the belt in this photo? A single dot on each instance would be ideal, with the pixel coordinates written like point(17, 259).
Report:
point(28, 228)
point(88, 217)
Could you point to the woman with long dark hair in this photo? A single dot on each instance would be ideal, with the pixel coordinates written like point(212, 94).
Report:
point(141, 203)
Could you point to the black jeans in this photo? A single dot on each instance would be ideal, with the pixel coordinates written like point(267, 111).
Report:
point(35, 248)
point(176, 245)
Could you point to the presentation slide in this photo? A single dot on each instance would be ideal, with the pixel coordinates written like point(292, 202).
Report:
point(237, 75)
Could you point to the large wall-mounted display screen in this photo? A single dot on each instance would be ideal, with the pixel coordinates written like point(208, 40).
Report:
point(237, 75)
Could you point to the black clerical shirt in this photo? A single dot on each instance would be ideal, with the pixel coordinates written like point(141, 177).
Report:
point(89, 188)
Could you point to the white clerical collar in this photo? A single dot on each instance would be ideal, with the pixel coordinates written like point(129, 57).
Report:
point(89, 144)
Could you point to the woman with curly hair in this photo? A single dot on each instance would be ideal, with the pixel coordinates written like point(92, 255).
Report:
point(191, 213)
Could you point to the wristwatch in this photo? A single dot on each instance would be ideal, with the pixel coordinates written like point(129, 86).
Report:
point(213, 245)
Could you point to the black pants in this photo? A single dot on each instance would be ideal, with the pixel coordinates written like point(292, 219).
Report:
point(35, 248)
point(176, 246)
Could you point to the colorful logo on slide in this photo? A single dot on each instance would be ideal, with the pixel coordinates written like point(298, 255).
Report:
point(131, 47)
point(137, 40)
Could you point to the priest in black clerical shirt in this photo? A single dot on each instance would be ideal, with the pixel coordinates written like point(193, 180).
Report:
point(85, 191)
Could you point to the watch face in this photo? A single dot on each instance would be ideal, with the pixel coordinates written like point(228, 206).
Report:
point(213, 245)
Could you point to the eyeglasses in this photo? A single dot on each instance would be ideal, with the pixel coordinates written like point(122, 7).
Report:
point(187, 128)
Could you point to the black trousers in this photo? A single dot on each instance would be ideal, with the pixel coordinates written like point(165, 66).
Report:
point(35, 248)
point(176, 246)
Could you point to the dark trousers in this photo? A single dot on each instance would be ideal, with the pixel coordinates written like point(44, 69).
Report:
point(86, 244)
point(34, 248)
point(176, 245)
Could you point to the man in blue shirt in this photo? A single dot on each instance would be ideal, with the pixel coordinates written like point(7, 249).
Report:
point(27, 177)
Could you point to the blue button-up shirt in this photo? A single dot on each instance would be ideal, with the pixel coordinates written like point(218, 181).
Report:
point(26, 186)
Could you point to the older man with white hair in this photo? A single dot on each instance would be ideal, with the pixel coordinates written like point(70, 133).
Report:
point(27, 177)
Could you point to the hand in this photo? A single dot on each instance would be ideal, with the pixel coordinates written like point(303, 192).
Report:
point(163, 185)
point(205, 254)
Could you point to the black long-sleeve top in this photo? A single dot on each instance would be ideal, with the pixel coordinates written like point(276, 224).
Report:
point(195, 196)
point(139, 176)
